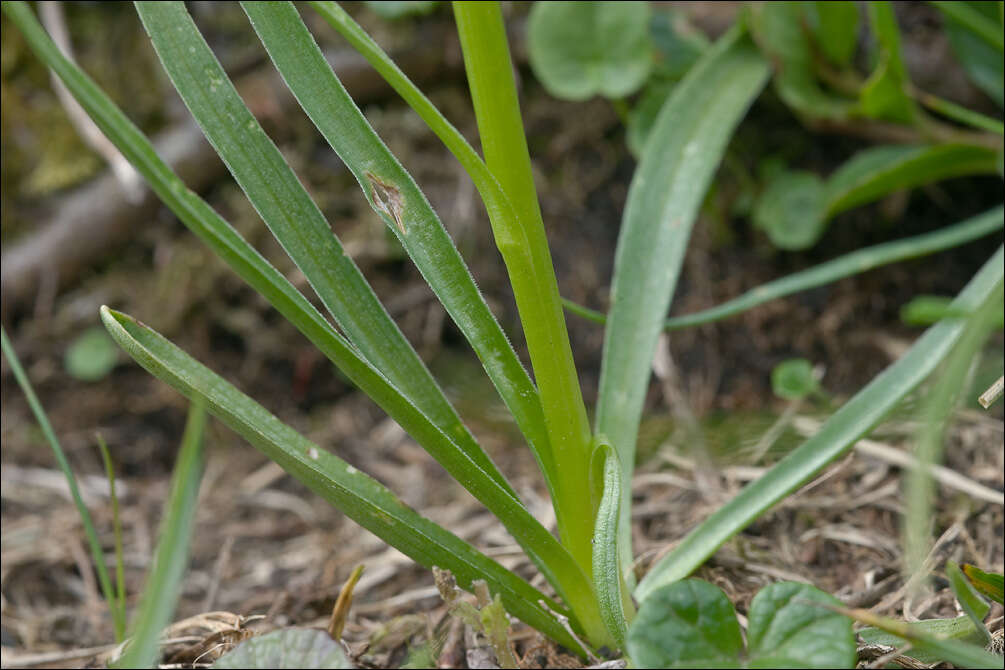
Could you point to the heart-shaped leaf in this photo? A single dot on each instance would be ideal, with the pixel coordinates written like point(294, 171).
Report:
point(688, 624)
point(787, 630)
point(288, 648)
point(582, 49)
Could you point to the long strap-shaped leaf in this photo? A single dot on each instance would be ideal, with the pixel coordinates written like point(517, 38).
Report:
point(489, 69)
point(680, 158)
point(397, 198)
point(264, 278)
point(855, 419)
point(358, 495)
point(565, 483)
point(293, 217)
point(848, 265)
point(162, 590)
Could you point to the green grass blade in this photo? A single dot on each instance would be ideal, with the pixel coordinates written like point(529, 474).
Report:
point(277, 194)
point(359, 496)
point(97, 554)
point(850, 423)
point(321, 94)
point(935, 411)
point(974, 21)
point(844, 266)
point(511, 243)
point(960, 654)
point(988, 583)
point(264, 278)
point(160, 596)
point(120, 564)
point(295, 220)
point(960, 114)
point(489, 69)
point(975, 607)
point(877, 171)
point(685, 147)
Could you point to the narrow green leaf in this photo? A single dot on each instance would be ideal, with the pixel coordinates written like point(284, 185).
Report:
point(975, 21)
point(120, 564)
point(885, 93)
point(510, 240)
point(388, 185)
point(961, 629)
point(980, 57)
point(94, 544)
point(265, 279)
point(787, 629)
point(933, 640)
point(581, 49)
point(963, 115)
point(615, 602)
point(678, 46)
point(829, 271)
point(163, 588)
point(643, 114)
point(934, 414)
point(924, 310)
point(490, 73)
point(690, 624)
point(877, 171)
point(989, 583)
point(294, 218)
point(835, 29)
point(359, 496)
point(850, 423)
point(678, 163)
point(329, 106)
point(529, 416)
point(973, 605)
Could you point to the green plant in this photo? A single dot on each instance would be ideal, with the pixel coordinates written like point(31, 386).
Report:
point(958, 641)
point(161, 593)
point(692, 624)
point(287, 648)
point(114, 596)
point(812, 45)
point(590, 564)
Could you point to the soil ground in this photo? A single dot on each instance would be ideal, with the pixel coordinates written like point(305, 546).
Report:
point(266, 553)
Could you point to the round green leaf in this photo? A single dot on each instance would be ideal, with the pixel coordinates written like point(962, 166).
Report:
point(793, 379)
point(690, 623)
point(792, 210)
point(786, 630)
point(581, 49)
point(288, 648)
point(91, 356)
